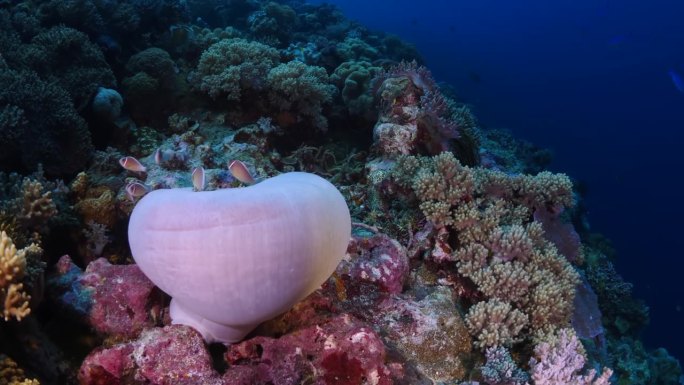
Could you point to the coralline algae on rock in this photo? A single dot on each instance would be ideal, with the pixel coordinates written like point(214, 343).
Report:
point(116, 300)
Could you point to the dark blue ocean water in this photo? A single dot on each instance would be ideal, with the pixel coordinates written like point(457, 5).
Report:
point(589, 80)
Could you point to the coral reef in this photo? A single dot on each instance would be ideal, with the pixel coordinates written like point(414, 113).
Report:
point(502, 251)
point(468, 262)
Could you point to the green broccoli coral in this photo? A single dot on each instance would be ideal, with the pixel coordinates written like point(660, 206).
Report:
point(232, 67)
point(353, 79)
point(302, 90)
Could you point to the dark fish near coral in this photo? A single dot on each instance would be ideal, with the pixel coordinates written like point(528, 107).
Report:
point(181, 34)
point(474, 76)
point(677, 80)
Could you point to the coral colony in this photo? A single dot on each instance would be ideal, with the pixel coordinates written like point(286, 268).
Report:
point(259, 192)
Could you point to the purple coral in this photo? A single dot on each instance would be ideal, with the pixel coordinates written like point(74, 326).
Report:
point(500, 368)
point(561, 234)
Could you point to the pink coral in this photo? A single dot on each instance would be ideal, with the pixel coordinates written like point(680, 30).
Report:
point(379, 260)
point(174, 354)
point(341, 350)
point(560, 360)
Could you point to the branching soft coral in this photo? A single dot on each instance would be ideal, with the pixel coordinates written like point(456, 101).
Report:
point(36, 206)
point(495, 323)
point(499, 246)
point(12, 268)
point(545, 190)
point(440, 183)
point(302, 90)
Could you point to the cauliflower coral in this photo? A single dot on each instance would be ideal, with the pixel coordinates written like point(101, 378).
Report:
point(232, 67)
point(301, 89)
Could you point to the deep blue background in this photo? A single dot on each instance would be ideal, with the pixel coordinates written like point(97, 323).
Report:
point(588, 79)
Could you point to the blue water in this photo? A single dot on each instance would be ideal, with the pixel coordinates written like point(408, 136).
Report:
point(590, 80)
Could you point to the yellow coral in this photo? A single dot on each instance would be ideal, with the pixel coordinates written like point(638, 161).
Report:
point(442, 185)
point(99, 209)
point(79, 186)
point(12, 374)
point(546, 189)
point(551, 299)
point(12, 267)
point(37, 206)
point(495, 323)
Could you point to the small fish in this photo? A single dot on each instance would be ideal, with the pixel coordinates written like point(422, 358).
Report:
point(131, 164)
point(240, 172)
point(158, 156)
point(198, 178)
point(136, 190)
point(677, 80)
